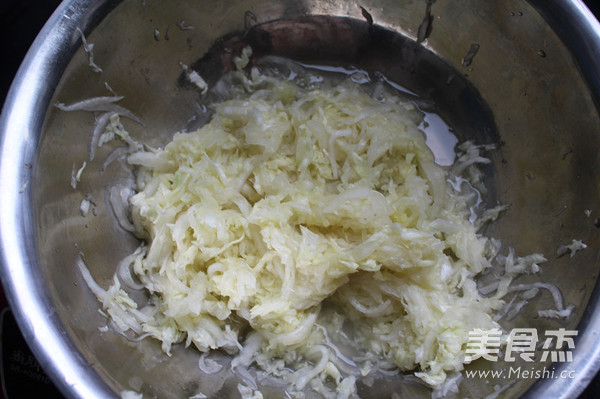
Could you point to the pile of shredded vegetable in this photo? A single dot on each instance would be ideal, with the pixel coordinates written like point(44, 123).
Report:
point(301, 220)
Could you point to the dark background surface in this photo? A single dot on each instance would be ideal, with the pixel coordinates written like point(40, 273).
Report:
point(20, 22)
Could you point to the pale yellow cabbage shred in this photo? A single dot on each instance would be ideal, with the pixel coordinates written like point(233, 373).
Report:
point(290, 197)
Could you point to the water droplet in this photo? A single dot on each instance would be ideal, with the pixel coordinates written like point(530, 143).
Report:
point(439, 138)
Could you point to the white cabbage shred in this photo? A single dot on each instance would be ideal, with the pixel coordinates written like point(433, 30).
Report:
point(127, 394)
point(295, 213)
point(572, 248)
point(89, 49)
point(194, 77)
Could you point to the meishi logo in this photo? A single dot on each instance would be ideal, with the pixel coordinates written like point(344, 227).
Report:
point(557, 345)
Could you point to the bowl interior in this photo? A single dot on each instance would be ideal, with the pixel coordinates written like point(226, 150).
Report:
point(517, 88)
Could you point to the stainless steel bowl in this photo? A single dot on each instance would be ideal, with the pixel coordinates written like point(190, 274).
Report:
point(532, 86)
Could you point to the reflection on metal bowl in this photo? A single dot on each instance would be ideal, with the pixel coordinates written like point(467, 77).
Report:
point(523, 75)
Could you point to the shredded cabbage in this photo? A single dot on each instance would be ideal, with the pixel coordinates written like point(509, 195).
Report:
point(572, 248)
point(127, 394)
point(295, 213)
point(89, 49)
